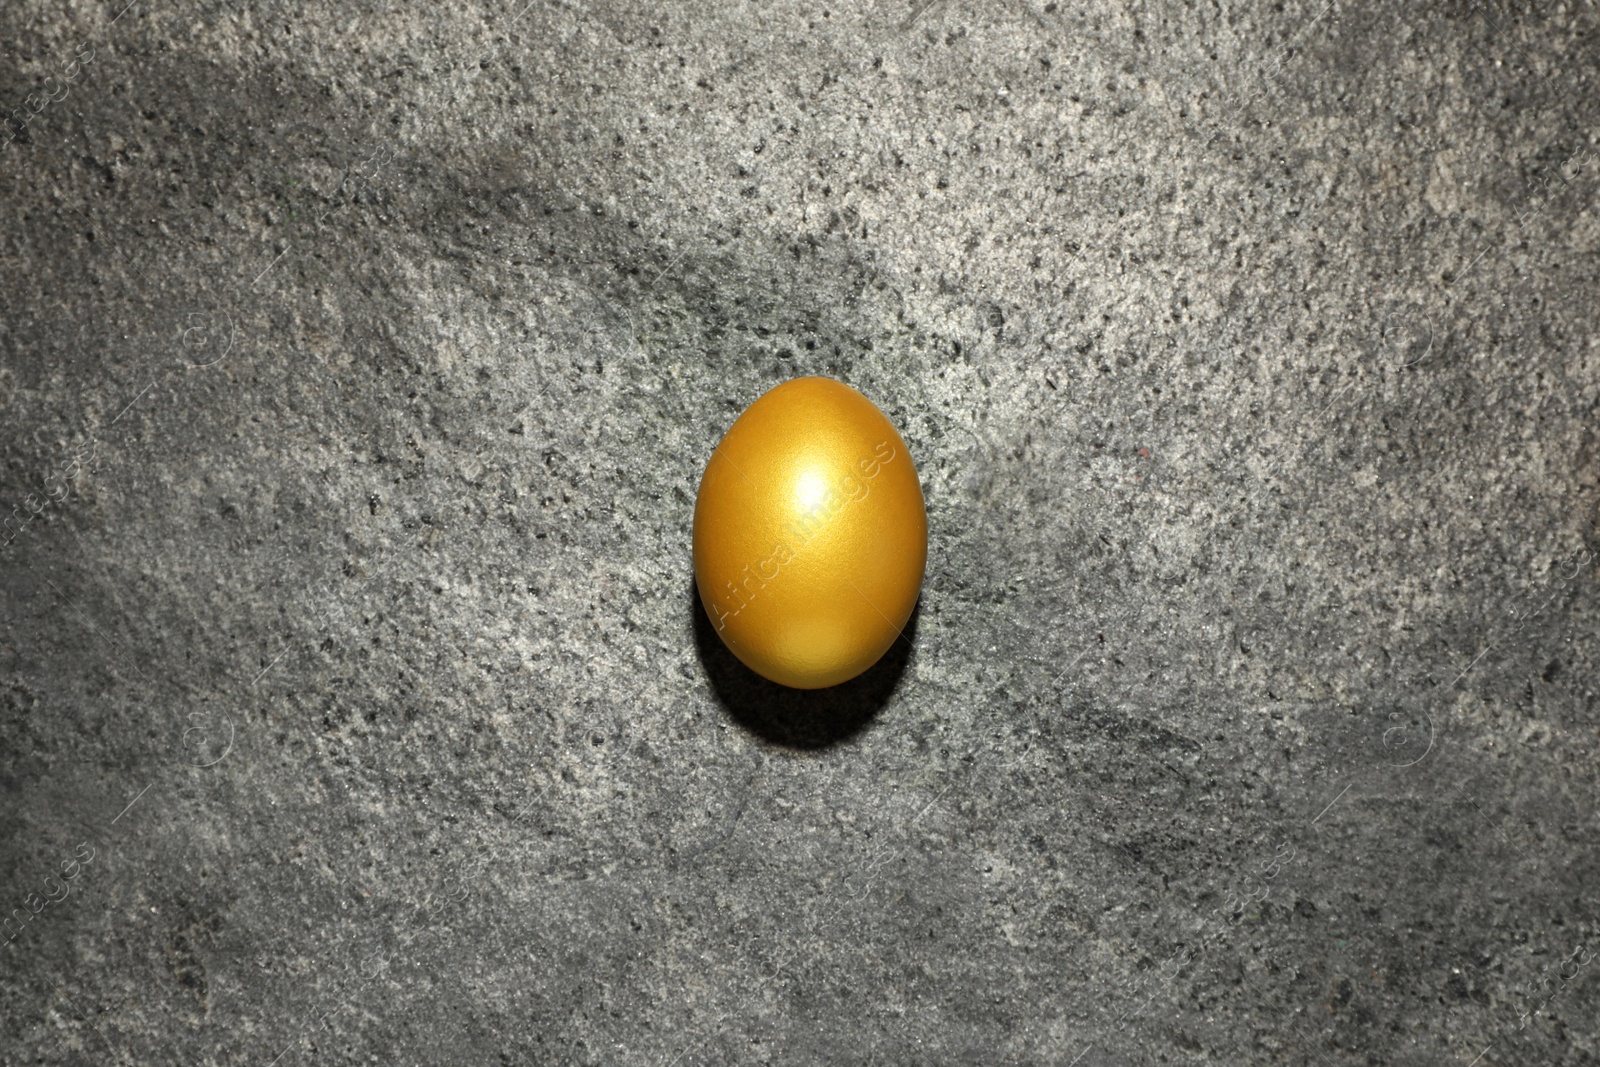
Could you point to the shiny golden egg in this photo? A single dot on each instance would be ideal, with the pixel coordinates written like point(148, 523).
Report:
point(810, 534)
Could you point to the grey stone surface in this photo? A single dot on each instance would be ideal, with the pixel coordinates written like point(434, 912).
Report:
point(360, 361)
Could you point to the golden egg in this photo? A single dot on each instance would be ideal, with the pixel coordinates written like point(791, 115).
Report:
point(810, 534)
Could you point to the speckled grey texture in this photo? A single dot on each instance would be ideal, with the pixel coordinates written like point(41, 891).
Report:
point(360, 361)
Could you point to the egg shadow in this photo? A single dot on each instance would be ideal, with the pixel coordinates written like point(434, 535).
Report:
point(798, 718)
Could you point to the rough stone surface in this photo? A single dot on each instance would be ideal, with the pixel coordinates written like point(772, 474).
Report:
point(360, 361)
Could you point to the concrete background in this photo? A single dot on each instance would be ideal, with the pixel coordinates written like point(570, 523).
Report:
point(360, 362)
